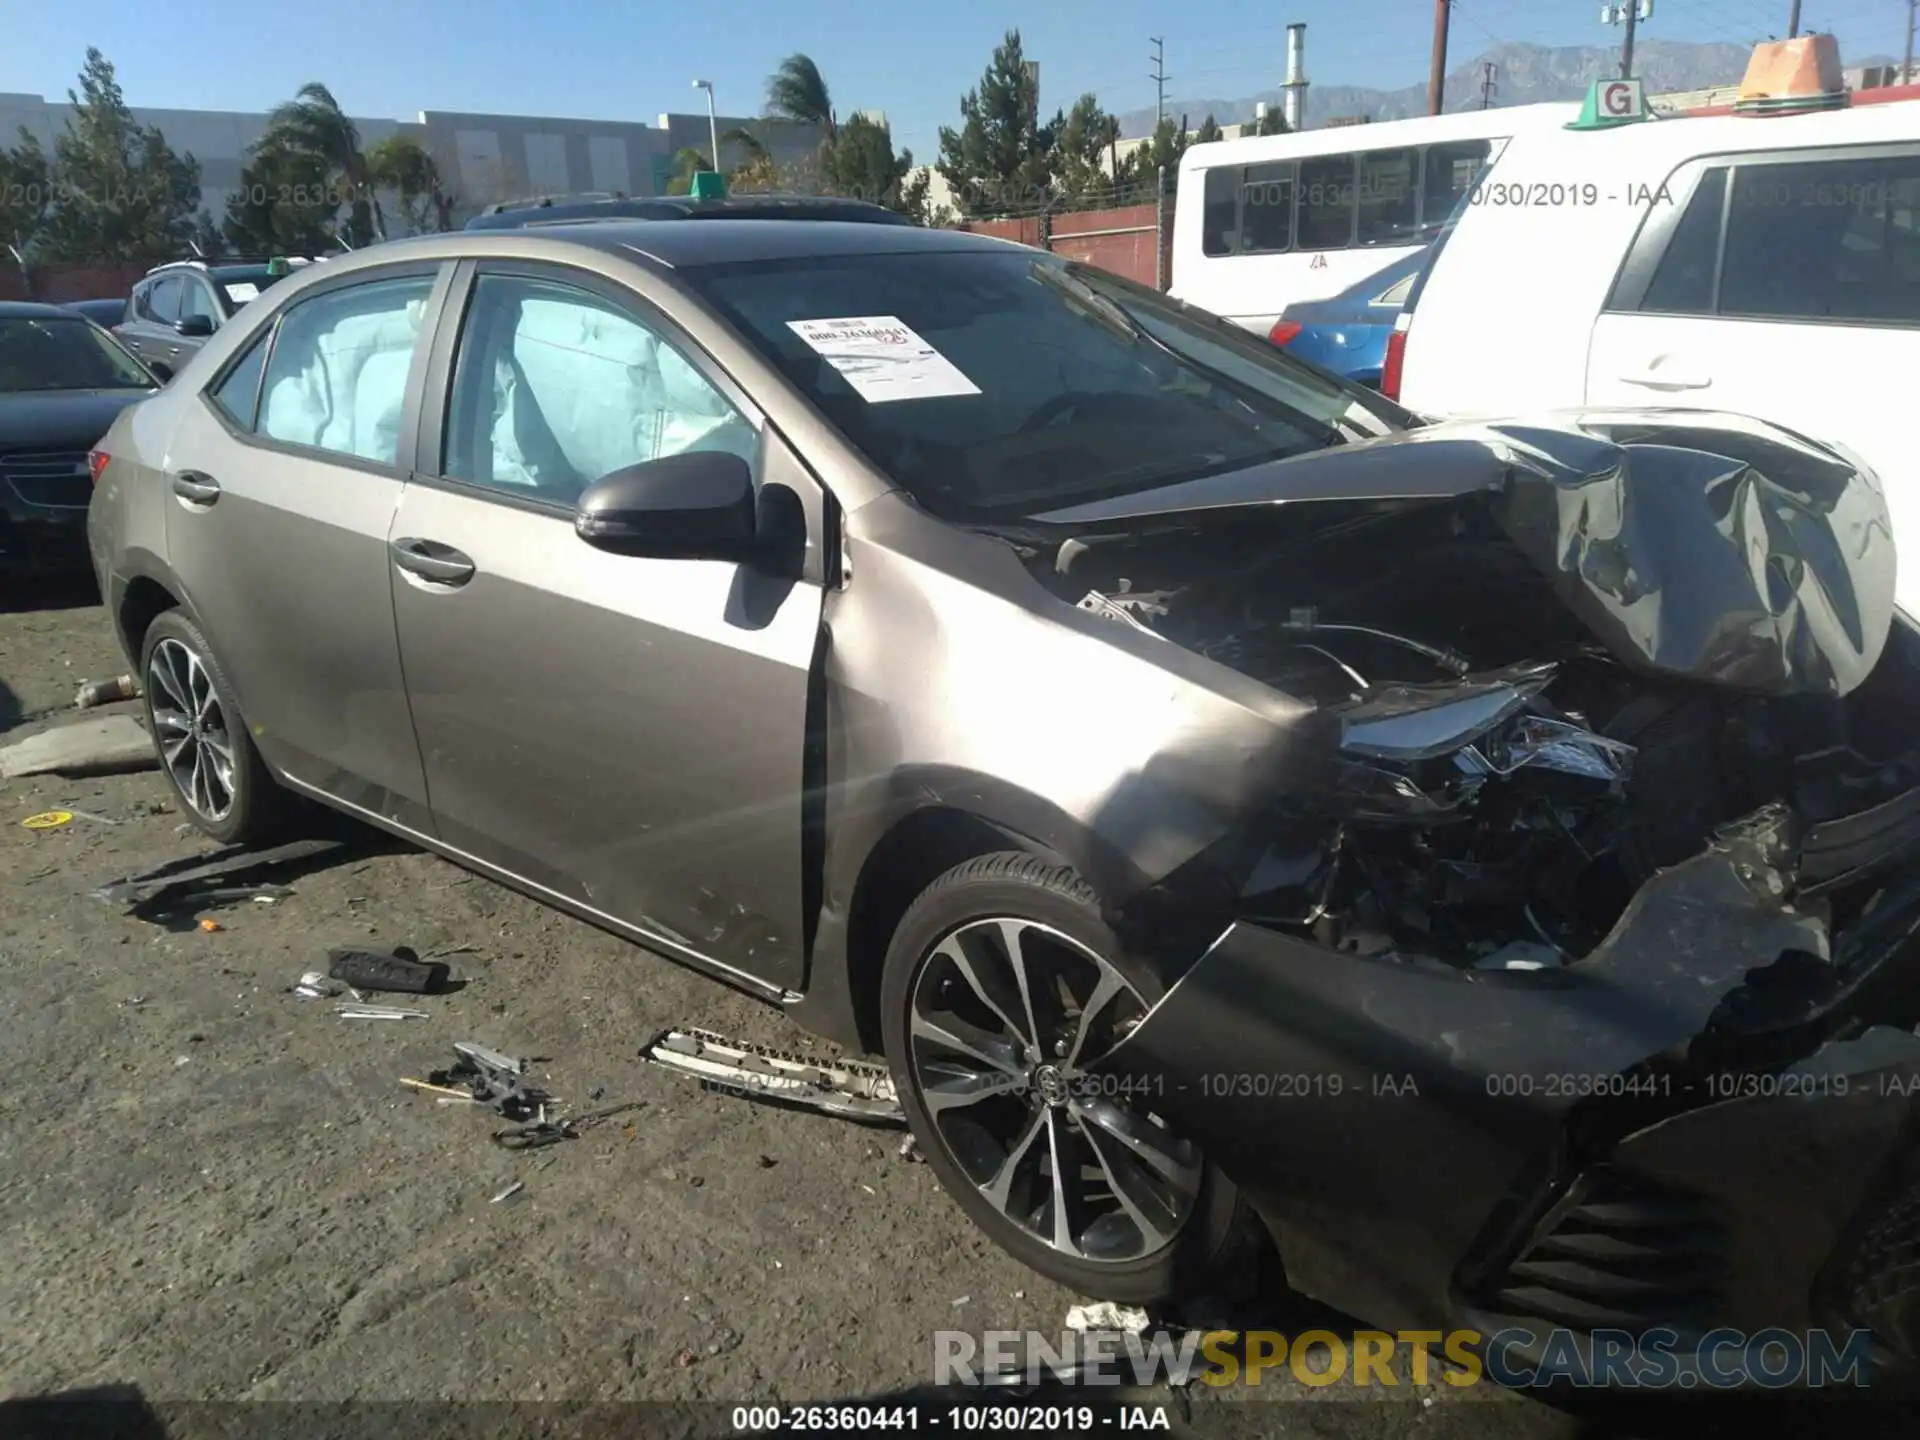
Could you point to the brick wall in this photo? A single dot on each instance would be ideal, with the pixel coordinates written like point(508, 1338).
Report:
point(55, 284)
point(1120, 240)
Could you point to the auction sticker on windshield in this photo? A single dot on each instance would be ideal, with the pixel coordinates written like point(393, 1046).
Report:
point(883, 359)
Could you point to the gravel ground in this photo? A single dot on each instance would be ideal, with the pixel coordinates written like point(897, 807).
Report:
point(216, 1191)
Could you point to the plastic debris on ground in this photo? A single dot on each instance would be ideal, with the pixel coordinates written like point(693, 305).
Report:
point(378, 1012)
point(1106, 1316)
point(399, 970)
point(238, 872)
point(107, 745)
point(857, 1090)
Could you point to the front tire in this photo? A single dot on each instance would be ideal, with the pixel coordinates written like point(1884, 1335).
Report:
point(206, 754)
point(1003, 983)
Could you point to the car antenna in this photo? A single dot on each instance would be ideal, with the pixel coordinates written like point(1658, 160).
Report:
point(198, 253)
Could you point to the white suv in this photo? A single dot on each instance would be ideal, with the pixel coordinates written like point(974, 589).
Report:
point(1769, 267)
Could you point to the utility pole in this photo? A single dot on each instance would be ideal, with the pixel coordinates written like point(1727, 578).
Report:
point(1631, 12)
point(1913, 19)
point(1486, 88)
point(1159, 78)
point(1793, 20)
point(1437, 72)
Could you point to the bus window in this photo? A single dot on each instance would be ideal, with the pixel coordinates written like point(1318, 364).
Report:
point(1218, 227)
point(1266, 208)
point(1389, 198)
point(1326, 202)
point(1450, 173)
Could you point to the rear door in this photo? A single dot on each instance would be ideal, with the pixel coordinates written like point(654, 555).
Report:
point(285, 474)
point(625, 734)
point(149, 331)
point(1788, 288)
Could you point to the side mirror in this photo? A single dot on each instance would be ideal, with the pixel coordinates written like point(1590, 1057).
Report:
point(696, 506)
point(160, 370)
point(194, 327)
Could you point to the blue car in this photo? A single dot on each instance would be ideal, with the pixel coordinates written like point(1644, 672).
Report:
point(1347, 333)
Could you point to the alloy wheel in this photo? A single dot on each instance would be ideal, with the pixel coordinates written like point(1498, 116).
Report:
point(1007, 1019)
point(190, 728)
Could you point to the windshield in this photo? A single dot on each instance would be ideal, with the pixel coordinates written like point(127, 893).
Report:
point(996, 385)
point(64, 353)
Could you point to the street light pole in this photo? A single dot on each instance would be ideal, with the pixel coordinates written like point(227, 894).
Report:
point(713, 123)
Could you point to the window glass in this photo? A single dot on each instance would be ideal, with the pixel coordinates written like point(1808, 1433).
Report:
point(1389, 198)
point(1218, 221)
point(1266, 208)
point(1396, 294)
point(1326, 203)
point(337, 378)
point(163, 301)
point(239, 393)
point(1825, 240)
point(64, 353)
point(1447, 174)
point(555, 387)
point(1080, 384)
point(196, 299)
point(1683, 285)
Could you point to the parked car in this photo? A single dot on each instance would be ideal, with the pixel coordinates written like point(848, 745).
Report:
point(1764, 266)
point(105, 313)
point(176, 307)
point(62, 382)
point(1348, 334)
point(1222, 801)
point(561, 210)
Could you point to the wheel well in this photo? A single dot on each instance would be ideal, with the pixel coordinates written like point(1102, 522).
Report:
point(910, 857)
point(145, 601)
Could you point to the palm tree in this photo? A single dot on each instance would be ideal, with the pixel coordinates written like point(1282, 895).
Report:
point(402, 165)
point(798, 91)
point(313, 124)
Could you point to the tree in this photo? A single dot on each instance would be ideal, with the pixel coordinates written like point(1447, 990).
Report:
point(208, 243)
point(861, 163)
point(1083, 165)
point(285, 204)
point(402, 166)
point(1273, 122)
point(1168, 144)
point(999, 158)
point(312, 125)
point(119, 192)
point(798, 91)
point(26, 194)
point(1208, 132)
point(686, 162)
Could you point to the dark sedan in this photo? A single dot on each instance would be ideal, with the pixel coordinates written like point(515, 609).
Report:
point(62, 382)
point(106, 313)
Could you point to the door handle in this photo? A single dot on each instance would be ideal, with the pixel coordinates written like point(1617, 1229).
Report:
point(195, 488)
point(1654, 377)
point(430, 560)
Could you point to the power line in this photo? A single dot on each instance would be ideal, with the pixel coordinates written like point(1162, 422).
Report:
point(1159, 77)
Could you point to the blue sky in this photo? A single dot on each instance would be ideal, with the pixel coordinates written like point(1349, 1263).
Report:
point(618, 59)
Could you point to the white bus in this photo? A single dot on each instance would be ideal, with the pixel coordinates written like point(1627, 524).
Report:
point(1266, 221)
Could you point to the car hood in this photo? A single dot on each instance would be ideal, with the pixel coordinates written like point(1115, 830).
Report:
point(60, 419)
point(1703, 546)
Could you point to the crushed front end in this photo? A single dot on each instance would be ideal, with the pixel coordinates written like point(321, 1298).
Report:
point(1570, 983)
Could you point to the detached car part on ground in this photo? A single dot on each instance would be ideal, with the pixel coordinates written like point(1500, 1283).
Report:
point(1484, 853)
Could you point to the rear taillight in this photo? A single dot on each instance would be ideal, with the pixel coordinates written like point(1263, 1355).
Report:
point(1284, 331)
point(1396, 361)
point(97, 464)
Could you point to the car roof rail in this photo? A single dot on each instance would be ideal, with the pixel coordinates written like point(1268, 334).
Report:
point(543, 202)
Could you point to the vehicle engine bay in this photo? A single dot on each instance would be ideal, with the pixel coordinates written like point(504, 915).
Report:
point(1503, 782)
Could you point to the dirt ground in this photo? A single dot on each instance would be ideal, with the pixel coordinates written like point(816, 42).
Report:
point(215, 1191)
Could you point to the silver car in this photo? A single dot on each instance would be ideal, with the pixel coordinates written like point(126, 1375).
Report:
point(1237, 808)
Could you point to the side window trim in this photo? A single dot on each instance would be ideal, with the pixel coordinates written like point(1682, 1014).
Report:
point(210, 392)
point(442, 273)
point(436, 401)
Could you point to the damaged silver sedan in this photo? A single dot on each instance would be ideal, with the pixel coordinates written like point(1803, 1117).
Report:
point(1479, 860)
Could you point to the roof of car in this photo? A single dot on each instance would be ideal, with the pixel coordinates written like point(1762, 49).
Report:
point(725, 242)
point(32, 310)
point(547, 211)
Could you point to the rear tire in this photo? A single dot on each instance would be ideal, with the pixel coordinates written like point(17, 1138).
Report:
point(206, 753)
point(1182, 1226)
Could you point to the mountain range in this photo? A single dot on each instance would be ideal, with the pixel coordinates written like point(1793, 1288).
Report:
point(1522, 75)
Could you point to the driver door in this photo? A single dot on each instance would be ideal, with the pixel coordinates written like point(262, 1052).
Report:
point(623, 734)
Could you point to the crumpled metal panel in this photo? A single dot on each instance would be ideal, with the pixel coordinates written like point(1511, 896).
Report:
point(1692, 544)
